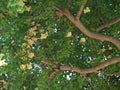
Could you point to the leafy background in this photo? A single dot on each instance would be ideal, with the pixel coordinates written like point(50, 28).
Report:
point(18, 17)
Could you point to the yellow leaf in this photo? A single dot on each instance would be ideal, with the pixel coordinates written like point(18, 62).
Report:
point(23, 51)
point(110, 48)
point(33, 28)
point(103, 49)
point(25, 45)
point(24, 58)
point(42, 31)
point(44, 36)
point(28, 8)
point(28, 65)
point(26, 38)
point(109, 56)
point(69, 34)
point(24, 88)
point(12, 41)
point(3, 63)
point(30, 54)
point(30, 42)
point(34, 39)
point(22, 66)
point(86, 10)
point(3, 81)
point(82, 40)
point(33, 23)
point(32, 33)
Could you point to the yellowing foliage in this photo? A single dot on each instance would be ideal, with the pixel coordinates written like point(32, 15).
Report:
point(28, 8)
point(83, 40)
point(69, 34)
point(44, 35)
point(25, 66)
point(30, 54)
point(110, 48)
point(86, 10)
point(103, 49)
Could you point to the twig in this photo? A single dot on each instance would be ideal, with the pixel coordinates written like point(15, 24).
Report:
point(81, 9)
point(114, 74)
point(107, 24)
point(52, 73)
point(93, 88)
point(55, 67)
point(46, 62)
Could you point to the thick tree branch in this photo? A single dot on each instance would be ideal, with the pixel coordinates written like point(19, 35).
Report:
point(93, 69)
point(57, 67)
point(81, 9)
point(108, 24)
point(84, 30)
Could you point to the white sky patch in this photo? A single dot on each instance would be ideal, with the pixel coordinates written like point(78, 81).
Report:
point(68, 77)
point(3, 63)
point(55, 30)
point(89, 59)
point(104, 57)
point(99, 73)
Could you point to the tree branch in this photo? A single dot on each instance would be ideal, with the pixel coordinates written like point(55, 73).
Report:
point(52, 73)
point(89, 81)
point(81, 9)
point(107, 24)
point(47, 62)
point(114, 74)
point(93, 69)
point(57, 67)
point(84, 30)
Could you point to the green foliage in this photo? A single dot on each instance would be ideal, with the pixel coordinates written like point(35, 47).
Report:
point(16, 6)
point(30, 27)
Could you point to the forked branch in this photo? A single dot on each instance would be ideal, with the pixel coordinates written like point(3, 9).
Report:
point(84, 30)
point(108, 24)
point(81, 9)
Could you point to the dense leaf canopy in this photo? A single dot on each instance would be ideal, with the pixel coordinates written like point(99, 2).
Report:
point(59, 45)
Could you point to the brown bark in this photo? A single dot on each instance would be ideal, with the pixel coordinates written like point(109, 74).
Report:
point(93, 69)
point(81, 9)
point(108, 24)
point(57, 67)
point(84, 30)
point(114, 74)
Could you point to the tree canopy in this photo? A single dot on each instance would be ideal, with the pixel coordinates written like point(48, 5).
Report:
point(59, 44)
